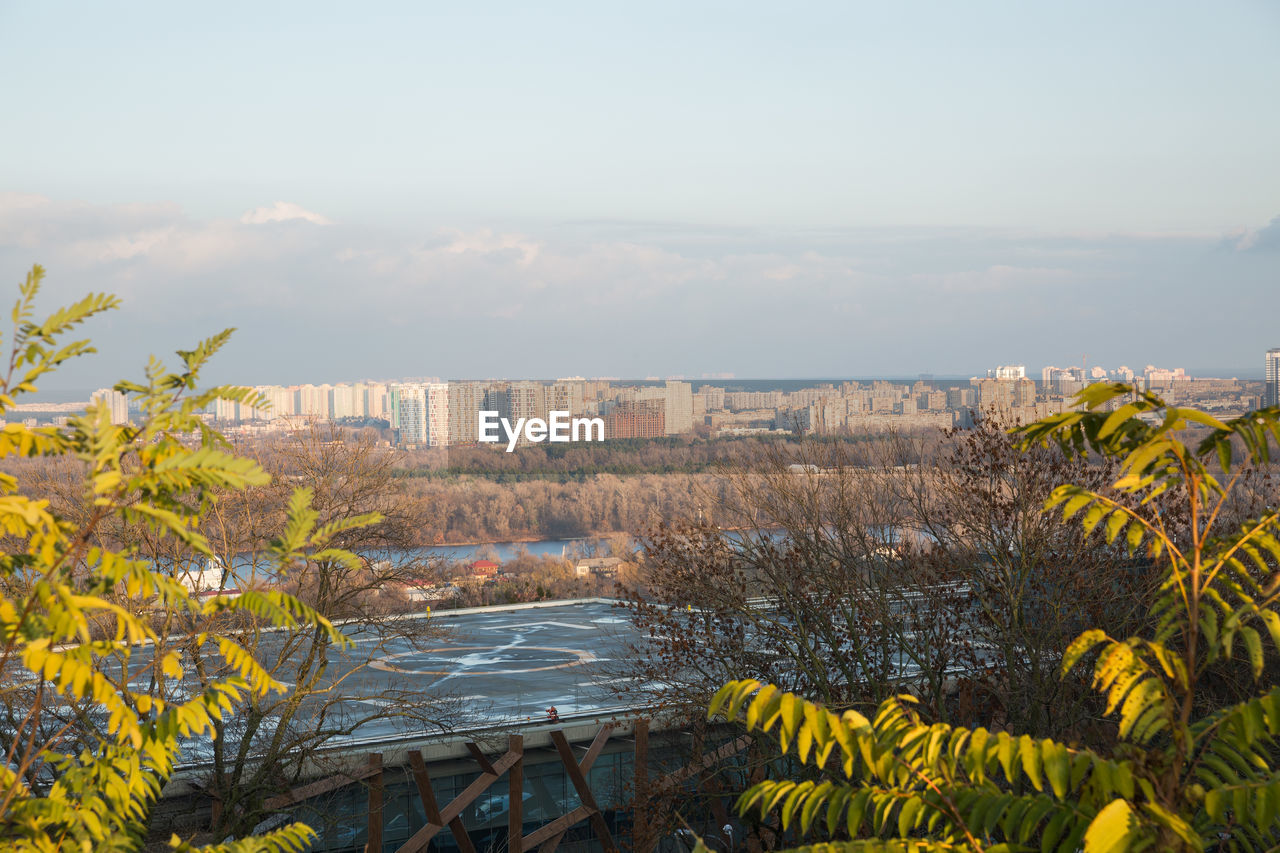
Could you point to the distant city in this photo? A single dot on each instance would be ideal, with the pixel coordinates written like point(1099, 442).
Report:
point(426, 412)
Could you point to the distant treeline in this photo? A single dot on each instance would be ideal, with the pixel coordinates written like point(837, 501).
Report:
point(479, 494)
point(583, 461)
point(469, 509)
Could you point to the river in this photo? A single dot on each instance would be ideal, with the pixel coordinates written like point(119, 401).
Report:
point(508, 550)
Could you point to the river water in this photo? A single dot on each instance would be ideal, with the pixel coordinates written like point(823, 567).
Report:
point(508, 550)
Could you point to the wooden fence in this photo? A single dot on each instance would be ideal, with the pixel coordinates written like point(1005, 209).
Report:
point(545, 838)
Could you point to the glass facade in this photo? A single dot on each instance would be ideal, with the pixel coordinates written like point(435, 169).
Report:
point(340, 818)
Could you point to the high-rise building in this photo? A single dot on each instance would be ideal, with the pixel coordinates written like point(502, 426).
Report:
point(393, 406)
point(565, 396)
point(713, 397)
point(279, 403)
point(636, 419)
point(375, 401)
point(1272, 395)
point(409, 403)
point(227, 411)
point(933, 401)
point(118, 402)
point(436, 400)
point(526, 400)
point(313, 401)
point(342, 402)
point(1008, 371)
point(959, 398)
point(420, 414)
point(1004, 394)
point(679, 414)
point(466, 400)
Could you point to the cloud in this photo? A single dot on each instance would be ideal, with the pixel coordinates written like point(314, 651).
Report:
point(282, 211)
point(351, 301)
point(1266, 238)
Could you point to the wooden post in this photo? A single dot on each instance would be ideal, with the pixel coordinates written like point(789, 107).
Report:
point(428, 796)
point(640, 832)
point(419, 840)
point(374, 844)
point(585, 796)
point(515, 796)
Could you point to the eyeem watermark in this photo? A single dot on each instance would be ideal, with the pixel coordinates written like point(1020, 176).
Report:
point(558, 427)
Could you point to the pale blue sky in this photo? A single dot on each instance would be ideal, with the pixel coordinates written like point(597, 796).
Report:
point(710, 144)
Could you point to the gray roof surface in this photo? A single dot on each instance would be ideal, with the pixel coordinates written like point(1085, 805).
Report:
point(502, 665)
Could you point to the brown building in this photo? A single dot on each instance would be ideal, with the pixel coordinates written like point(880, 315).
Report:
point(1005, 394)
point(636, 419)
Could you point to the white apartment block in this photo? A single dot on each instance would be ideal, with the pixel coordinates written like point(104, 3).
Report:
point(118, 403)
point(1008, 371)
point(313, 401)
point(227, 411)
point(410, 405)
point(343, 402)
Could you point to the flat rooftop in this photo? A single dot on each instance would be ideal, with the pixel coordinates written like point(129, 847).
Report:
point(491, 667)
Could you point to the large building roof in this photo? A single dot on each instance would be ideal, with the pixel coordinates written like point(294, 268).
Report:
point(495, 667)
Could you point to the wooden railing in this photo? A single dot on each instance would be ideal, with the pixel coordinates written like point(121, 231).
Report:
point(544, 838)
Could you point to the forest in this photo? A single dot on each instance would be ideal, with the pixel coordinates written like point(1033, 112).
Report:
point(476, 495)
point(677, 454)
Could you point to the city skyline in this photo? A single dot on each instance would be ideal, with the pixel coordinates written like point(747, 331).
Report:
point(430, 414)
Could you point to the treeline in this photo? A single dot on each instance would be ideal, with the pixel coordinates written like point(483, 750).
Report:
point(469, 509)
point(463, 507)
point(583, 461)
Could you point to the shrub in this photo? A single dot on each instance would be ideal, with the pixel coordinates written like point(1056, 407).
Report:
point(1187, 773)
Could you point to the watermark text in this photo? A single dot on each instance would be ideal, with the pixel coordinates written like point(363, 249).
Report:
point(559, 427)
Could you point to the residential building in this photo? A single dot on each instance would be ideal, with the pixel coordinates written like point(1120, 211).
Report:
point(565, 396)
point(436, 400)
point(466, 401)
point(1271, 397)
point(409, 402)
point(636, 419)
point(313, 401)
point(226, 411)
point(118, 403)
point(281, 402)
point(1008, 371)
point(712, 398)
point(525, 400)
point(1005, 394)
point(933, 401)
point(960, 398)
point(679, 404)
point(342, 402)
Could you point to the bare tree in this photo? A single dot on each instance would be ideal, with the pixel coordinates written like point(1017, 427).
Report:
point(270, 745)
point(809, 576)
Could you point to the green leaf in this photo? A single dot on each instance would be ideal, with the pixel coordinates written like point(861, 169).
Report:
point(908, 816)
point(1113, 830)
point(1253, 642)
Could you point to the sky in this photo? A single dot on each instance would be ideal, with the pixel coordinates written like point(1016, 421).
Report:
point(608, 189)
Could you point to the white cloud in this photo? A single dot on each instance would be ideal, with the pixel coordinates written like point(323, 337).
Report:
point(282, 211)
point(638, 300)
point(1266, 237)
